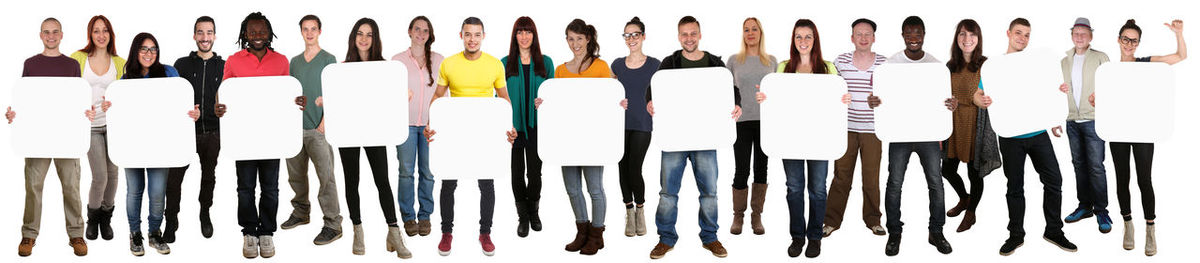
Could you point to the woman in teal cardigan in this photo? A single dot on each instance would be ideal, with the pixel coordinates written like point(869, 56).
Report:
point(526, 68)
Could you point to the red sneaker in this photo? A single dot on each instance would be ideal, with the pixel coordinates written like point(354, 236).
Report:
point(485, 240)
point(444, 246)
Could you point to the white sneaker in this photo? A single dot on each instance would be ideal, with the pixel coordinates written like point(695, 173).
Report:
point(827, 230)
point(249, 246)
point(1151, 242)
point(266, 247)
point(1127, 243)
point(878, 231)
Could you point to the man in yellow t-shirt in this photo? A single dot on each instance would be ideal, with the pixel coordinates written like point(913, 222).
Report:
point(470, 73)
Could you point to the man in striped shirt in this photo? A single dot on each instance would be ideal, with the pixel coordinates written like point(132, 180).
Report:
point(858, 68)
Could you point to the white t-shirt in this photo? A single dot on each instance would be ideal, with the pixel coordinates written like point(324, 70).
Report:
point(99, 86)
point(900, 57)
point(1077, 80)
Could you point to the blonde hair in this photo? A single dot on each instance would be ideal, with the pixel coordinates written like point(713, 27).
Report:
point(762, 50)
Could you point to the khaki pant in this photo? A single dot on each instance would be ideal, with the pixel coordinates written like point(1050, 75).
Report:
point(843, 176)
point(318, 150)
point(68, 175)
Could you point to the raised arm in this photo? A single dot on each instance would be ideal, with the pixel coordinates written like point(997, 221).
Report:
point(1180, 47)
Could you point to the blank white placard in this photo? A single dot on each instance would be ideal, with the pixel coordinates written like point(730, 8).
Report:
point(148, 123)
point(360, 103)
point(1024, 91)
point(50, 121)
point(912, 107)
point(803, 117)
point(1135, 102)
point(262, 120)
point(580, 121)
point(692, 109)
point(471, 140)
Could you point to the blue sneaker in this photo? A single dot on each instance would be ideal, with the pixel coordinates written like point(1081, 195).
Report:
point(1079, 214)
point(1105, 222)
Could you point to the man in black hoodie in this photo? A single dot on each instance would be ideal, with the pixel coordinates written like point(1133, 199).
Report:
point(204, 69)
point(704, 162)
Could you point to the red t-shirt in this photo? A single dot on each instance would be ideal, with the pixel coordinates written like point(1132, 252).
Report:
point(245, 64)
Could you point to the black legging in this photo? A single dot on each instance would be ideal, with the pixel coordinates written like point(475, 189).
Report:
point(633, 186)
point(1143, 157)
point(748, 139)
point(377, 158)
point(524, 155)
point(487, 204)
point(950, 172)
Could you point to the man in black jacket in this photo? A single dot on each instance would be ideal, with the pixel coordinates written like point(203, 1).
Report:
point(704, 162)
point(204, 69)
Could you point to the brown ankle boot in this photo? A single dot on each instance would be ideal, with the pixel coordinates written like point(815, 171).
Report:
point(758, 196)
point(957, 209)
point(967, 222)
point(581, 236)
point(79, 246)
point(739, 210)
point(595, 241)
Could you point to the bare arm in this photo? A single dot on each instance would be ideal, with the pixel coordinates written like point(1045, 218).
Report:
point(1180, 47)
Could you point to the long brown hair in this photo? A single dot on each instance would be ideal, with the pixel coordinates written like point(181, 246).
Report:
point(91, 45)
point(428, 44)
point(592, 51)
point(818, 63)
point(375, 53)
point(957, 61)
point(512, 68)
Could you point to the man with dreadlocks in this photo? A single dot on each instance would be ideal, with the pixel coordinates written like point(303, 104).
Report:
point(257, 58)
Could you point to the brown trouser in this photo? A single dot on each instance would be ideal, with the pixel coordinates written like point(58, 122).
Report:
point(68, 175)
point(843, 175)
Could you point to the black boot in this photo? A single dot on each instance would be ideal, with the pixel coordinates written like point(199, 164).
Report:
point(522, 219)
point(535, 222)
point(172, 225)
point(105, 223)
point(206, 227)
point(92, 222)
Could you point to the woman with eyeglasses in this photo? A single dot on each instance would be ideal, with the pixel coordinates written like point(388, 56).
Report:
point(1130, 36)
point(634, 72)
point(145, 52)
point(525, 68)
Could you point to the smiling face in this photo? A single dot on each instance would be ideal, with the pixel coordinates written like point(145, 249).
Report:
point(967, 41)
point(99, 34)
point(863, 36)
point(577, 42)
point(1081, 37)
point(51, 34)
point(147, 53)
point(525, 39)
point(636, 36)
point(689, 37)
point(1018, 37)
point(1129, 41)
point(419, 33)
point(914, 37)
point(751, 33)
point(258, 35)
point(803, 38)
point(472, 36)
point(205, 34)
point(311, 31)
point(363, 38)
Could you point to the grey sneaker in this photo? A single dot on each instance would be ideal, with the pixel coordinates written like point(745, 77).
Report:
point(157, 243)
point(249, 246)
point(327, 235)
point(135, 244)
point(266, 246)
point(293, 222)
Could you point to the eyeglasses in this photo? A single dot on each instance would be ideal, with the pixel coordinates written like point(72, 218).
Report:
point(149, 50)
point(1130, 41)
point(634, 35)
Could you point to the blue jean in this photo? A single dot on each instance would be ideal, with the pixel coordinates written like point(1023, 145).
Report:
point(573, 177)
point(704, 168)
point(138, 180)
point(931, 160)
point(796, 177)
point(258, 220)
point(1087, 155)
point(414, 152)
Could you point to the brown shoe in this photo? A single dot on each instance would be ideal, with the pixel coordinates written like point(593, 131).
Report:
point(410, 227)
point(660, 250)
point(716, 248)
point(26, 247)
point(958, 209)
point(739, 210)
point(423, 227)
point(758, 196)
point(581, 236)
point(595, 241)
point(79, 245)
point(967, 222)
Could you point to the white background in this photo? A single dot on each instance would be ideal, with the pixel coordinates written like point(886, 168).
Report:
point(721, 22)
